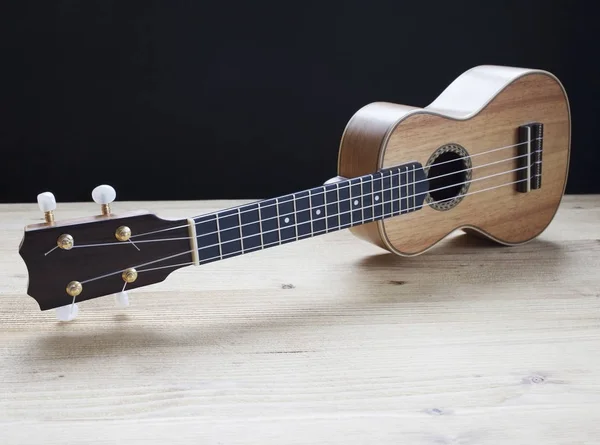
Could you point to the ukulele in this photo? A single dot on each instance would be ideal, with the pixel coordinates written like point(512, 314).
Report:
point(490, 156)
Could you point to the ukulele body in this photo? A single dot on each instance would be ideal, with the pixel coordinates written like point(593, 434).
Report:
point(477, 115)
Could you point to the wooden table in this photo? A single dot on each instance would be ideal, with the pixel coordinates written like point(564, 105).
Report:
point(329, 340)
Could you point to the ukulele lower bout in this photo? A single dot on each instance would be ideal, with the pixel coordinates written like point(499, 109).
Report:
point(495, 148)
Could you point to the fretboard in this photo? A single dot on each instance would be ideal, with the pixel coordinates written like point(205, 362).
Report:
point(308, 213)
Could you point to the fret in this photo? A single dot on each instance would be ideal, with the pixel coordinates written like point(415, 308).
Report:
point(387, 194)
point(219, 237)
point(287, 219)
point(325, 208)
point(382, 200)
point(312, 225)
point(396, 199)
point(229, 233)
point(260, 225)
point(269, 217)
point(362, 198)
point(332, 206)
point(406, 181)
point(412, 189)
point(250, 228)
point(278, 220)
point(367, 186)
point(303, 215)
point(407, 190)
point(377, 196)
point(356, 198)
point(350, 203)
point(402, 190)
point(373, 180)
point(209, 247)
point(240, 229)
point(318, 210)
point(295, 224)
point(345, 218)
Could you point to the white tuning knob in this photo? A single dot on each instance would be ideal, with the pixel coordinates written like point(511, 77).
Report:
point(68, 312)
point(104, 195)
point(47, 203)
point(121, 300)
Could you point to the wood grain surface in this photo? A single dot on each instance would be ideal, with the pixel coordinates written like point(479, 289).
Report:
point(329, 340)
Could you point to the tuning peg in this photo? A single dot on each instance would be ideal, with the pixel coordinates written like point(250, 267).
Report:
point(121, 299)
point(47, 203)
point(68, 312)
point(104, 195)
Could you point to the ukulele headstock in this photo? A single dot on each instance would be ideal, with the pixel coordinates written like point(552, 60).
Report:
point(80, 259)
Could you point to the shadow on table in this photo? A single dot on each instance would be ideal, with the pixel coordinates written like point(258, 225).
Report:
point(466, 250)
point(453, 271)
point(463, 263)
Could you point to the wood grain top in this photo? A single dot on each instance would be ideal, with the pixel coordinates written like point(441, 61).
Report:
point(328, 340)
point(384, 135)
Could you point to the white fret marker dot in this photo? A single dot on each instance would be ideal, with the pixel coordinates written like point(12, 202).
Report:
point(377, 198)
point(356, 202)
point(318, 212)
point(287, 220)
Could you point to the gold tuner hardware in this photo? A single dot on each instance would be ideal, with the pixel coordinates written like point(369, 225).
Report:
point(129, 275)
point(65, 241)
point(74, 288)
point(123, 233)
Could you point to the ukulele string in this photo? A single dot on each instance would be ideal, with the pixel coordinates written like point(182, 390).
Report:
point(319, 232)
point(433, 177)
point(272, 244)
point(139, 265)
point(341, 213)
point(348, 185)
point(51, 250)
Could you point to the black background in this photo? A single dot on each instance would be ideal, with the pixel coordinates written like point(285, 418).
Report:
point(248, 99)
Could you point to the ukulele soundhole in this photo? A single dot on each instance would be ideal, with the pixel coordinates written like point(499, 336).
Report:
point(449, 173)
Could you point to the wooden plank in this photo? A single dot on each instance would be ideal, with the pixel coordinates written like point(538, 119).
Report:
point(328, 340)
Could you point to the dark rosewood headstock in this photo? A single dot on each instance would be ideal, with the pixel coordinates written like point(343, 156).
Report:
point(97, 259)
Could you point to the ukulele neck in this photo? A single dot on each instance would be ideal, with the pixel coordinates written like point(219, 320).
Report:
point(320, 210)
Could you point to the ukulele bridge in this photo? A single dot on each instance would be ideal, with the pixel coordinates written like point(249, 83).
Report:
point(529, 157)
